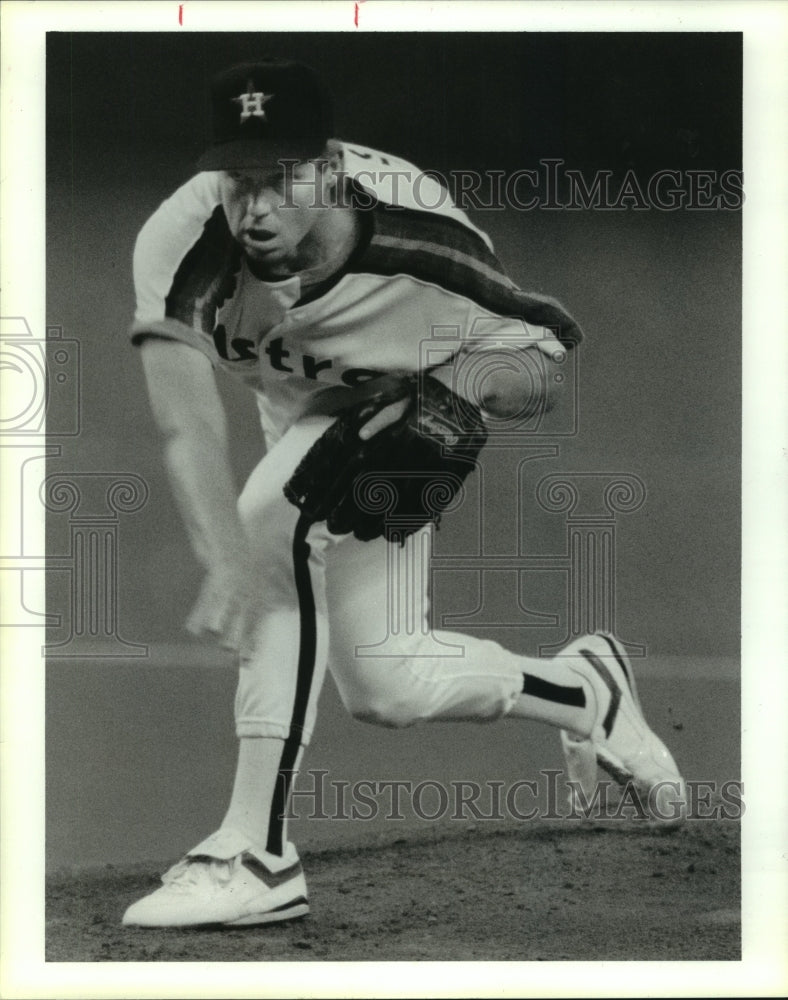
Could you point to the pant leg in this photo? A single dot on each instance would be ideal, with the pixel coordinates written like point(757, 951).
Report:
point(279, 682)
point(389, 666)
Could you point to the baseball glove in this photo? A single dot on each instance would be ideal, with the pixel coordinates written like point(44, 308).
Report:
point(396, 481)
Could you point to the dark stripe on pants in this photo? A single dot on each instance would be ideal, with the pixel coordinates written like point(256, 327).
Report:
point(306, 668)
point(538, 688)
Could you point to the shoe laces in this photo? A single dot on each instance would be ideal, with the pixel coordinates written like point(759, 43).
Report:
point(198, 872)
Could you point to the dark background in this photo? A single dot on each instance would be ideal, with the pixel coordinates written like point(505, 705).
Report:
point(658, 294)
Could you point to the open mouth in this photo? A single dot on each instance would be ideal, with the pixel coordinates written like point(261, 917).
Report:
point(259, 235)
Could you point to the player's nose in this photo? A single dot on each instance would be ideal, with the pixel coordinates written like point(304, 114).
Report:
point(261, 202)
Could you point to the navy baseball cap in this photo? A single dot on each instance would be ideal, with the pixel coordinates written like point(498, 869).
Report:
point(267, 111)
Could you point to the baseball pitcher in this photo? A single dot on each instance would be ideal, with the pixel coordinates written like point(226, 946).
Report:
point(308, 269)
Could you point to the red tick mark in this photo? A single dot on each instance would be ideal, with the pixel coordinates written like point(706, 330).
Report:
point(180, 13)
point(355, 11)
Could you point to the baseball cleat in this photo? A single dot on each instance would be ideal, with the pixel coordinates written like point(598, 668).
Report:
point(225, 881)
point(624, 744)
point(580, 758)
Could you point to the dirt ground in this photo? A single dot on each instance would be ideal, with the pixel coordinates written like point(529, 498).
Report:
point(546, 892)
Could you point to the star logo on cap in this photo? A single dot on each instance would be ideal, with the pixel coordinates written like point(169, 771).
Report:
point(252, 103)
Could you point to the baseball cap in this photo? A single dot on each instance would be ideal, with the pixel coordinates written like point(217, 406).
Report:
point(266, 111)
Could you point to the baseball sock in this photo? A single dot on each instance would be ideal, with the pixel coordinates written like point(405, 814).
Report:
point(256, 776)
point(554, 693)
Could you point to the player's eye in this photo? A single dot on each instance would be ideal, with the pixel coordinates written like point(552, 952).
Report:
point(277, 181)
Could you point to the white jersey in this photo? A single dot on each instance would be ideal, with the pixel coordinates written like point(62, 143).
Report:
point(421, 284)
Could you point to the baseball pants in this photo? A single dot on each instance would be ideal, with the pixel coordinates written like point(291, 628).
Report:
point(360, 608)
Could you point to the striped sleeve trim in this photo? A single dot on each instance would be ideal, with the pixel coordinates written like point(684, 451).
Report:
point(442, 252)
point(437, 249)
point(207, 275)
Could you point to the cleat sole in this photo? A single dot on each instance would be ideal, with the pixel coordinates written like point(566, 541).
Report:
point(290, 911)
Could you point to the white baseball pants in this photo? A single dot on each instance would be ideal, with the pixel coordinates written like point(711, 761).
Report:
point(360, 607)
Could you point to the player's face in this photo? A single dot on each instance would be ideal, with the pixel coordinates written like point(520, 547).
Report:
point(277, 214)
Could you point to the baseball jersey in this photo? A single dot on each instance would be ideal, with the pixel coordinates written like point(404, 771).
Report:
point(421, 285)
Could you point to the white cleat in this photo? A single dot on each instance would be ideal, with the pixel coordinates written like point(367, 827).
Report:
point(621, 742)
point(224, 880)
point(580, 757)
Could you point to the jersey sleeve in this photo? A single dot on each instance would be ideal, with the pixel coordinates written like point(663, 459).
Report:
point(185, 262)
point(401, 184)
point(433, 240)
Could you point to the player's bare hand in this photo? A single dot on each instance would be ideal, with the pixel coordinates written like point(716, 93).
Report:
point(228, 608)
point(384, 418)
